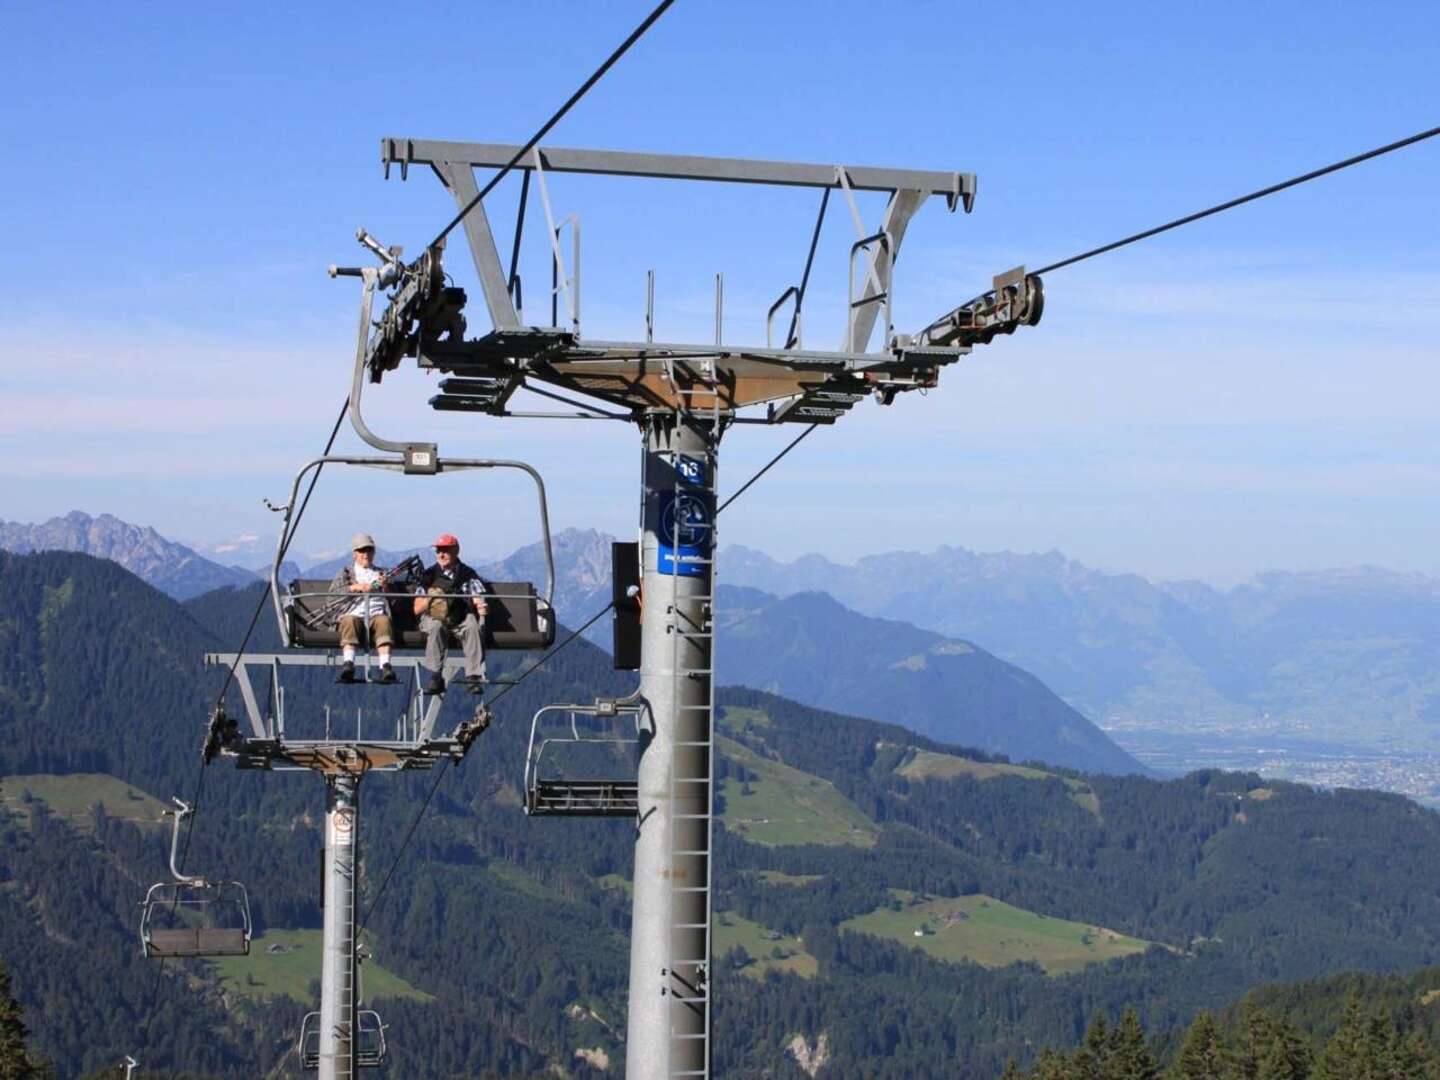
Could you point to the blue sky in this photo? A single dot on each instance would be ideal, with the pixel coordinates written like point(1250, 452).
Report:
point(1256, 391)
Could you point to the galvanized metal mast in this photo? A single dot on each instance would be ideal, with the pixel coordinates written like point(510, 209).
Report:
point(337, 975)
point(669, 1013)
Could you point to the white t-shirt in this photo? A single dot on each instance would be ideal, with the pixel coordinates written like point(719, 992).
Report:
point(368, 606)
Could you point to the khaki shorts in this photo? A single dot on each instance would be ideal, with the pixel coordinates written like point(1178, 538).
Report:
point(380, 630)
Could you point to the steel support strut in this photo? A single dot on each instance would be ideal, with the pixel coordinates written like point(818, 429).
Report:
point(337, 976)
point(669, 1014)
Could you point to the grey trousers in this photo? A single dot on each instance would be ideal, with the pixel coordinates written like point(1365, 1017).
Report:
point(438, 636)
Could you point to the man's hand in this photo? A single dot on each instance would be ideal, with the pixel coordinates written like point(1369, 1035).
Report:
point(479, 607)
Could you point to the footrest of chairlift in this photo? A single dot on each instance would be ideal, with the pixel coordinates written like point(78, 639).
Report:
point(583, 798)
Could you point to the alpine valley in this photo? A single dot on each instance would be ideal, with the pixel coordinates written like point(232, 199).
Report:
point(889, 901)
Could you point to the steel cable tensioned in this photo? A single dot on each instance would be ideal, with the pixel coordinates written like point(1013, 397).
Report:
point(220, 698)
point(557, 116)
point(1294, 181)
point(574, 634)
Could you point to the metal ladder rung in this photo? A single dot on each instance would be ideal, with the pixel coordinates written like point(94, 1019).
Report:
point(688, 888)
point(692, 851)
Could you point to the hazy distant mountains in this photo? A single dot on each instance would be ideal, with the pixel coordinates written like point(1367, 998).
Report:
point(810, 648)
point(814, 650)
point(170, 567)
point(1348, 655)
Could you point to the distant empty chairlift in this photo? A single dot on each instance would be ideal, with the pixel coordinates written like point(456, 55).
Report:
point(192, 916)
point(368, 1044)
point(575, 754)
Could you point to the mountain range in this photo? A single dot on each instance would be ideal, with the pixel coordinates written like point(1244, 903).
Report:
point(1342, 658)
point(1347, 656)
point(886, 904)
point(173, 568)
point(811, 649)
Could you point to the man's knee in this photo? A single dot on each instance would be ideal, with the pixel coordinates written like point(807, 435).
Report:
point(349, 627)
point(381, 631)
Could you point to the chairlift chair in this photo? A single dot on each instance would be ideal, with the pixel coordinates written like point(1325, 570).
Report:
point(192, 916)
point(368, 1045)
point(555, 742)
point(518, 615)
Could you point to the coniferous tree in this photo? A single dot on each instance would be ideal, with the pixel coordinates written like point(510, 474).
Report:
point(1204, 1055)
point(1050, 1066)
point(1286, 1056)
point(1130, 1058)
point(1354, 1052)
point(1092, 1060)
point(16, 1061)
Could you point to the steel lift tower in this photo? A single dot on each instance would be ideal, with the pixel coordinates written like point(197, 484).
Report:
point(683, 397)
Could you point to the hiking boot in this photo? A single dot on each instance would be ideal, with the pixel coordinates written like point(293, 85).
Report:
point(436, 685)
point(387, 674)
point(475, 684)
point(347, 672)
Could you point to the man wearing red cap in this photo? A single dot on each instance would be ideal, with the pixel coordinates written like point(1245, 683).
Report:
point(450, 602)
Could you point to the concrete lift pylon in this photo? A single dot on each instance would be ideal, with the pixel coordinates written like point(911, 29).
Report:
point(683, 397)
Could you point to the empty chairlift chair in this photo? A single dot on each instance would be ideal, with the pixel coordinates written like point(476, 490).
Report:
point(368, 1046)
point(574, 755)
point(192, 916)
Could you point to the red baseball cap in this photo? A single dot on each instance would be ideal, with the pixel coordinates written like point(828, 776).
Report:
point(446, 540)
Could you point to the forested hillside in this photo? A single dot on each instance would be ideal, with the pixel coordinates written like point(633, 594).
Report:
point(887, 905)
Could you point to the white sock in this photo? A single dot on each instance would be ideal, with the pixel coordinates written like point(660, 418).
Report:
point(349, 653)
point(384, 652)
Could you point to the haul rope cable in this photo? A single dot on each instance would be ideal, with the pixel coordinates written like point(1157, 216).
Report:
point(1294, 181)
point(559, 115)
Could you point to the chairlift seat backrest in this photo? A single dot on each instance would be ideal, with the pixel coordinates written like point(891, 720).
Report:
point(514, 618)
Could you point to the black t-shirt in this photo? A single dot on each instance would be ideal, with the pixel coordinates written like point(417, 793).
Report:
point(459, 579)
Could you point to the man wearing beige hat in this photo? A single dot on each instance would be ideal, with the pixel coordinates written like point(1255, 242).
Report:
point(369, 612)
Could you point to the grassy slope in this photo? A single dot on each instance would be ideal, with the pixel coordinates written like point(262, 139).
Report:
point(787, 806)
point(71, 797)
point(994, 934)
point(761, 943)
point(289, 971)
